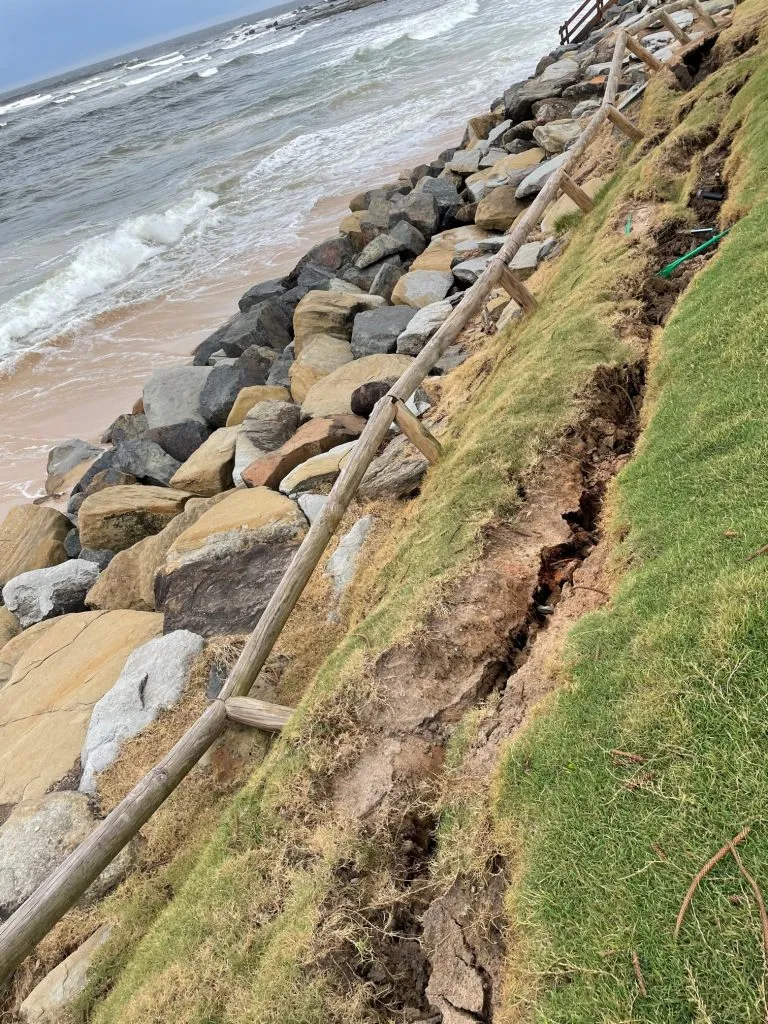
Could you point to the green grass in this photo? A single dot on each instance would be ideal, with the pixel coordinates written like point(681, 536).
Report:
point(676, 671)
point(239, 939)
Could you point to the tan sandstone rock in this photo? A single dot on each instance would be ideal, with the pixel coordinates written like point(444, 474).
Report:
point(320, 355)
point(47, 1001)
point(330, 313)
point(441, 250)
point(117, 517)
point(208, 470)
point(499, 209)
point(316, 436)
point(46, 705)
point(332, 396)
point(317, 474)
point(129, 579)
point(250, 397)
point(31, 537)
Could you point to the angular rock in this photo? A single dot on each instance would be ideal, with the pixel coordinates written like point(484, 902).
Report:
point(259, 292)
point(279, 374)
point(552, 110)
point(312, 505)
point(316, 436)
point(153, 678)
point(129, 579)
point(330, 313)
point(61, 668)
point(465, 161)
point(496, 133)
point(100, 558)
point(420, 288)
point(317, 474)
point(48, 1001)
point(419, 209)
point(537, 179)
point(326, 258)
point(378, 249)
point(172, 394)
point(37, 837)
point(320, 355)
point(267, 324)
point(31, 537)
point(367, 395)
point(117, 517)
point(499, 209)
point(351, 225)
point(396, 473)
point(386, 279)
point(269, 424)
point(127, 427)
point(221, 389)
point(45, 593)
point(332, 395)
point(468, 271)
point(585, 107)
point(209, 470)
point(221, 572)
point(179, 440)
point(343, 562)
point(361, 280)
point(250, 397)
point(144, 460)
point(67, 462)
point(425, 323)
point(526, 259)
point(552, 81)
point(557, 136)
point(440, 253)
point(376, 331)
point(443, 191)
point(492, 158)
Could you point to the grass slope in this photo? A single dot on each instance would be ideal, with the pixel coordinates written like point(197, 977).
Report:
point(242, 940)
point(675, 671)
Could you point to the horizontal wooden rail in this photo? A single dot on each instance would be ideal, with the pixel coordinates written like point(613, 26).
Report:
point(61, 890)
point(586, 16)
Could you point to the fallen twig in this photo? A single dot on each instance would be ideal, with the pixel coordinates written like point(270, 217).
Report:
point(756, 554)
point(761, 907)
point(639, 974)
point(722, 852)
point(626, 756)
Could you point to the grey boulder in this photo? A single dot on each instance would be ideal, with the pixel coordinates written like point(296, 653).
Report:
point(396, 473)
point(417, 208)
point(260, 292)
point(422, 326)
point(154, 678)
point(269, 424)
point(45, 593)
point(179, 440)
point(172, 394)
point(386, 278)
point(145, 460)
point(377, 330)
point(534, 182)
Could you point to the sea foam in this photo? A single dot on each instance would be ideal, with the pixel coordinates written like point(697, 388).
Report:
point(99, 264)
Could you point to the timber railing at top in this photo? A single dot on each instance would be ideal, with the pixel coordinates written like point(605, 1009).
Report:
point(587, 16)
point(61, 890)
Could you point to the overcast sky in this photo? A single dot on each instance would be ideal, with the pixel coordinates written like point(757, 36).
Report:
point(39, 38)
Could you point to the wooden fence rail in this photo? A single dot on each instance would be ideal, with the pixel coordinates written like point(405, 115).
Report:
point(61, 890)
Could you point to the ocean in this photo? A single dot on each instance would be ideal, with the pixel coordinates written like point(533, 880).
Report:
point(139, 197)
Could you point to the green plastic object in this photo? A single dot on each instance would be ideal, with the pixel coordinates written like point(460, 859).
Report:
point(672, 267)
point(628, 225)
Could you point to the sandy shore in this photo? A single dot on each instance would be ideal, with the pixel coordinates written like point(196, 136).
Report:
point(93, 375)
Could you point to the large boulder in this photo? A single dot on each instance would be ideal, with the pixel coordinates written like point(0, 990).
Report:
point(38, 836)
point(117, 517)
point(552, 81)
point(499, 209)
point(172, 394)
point(443, 191)
point(332, 395)
point(377, 330)
point(422, 327)
point(317, 474)
point(526, 259)
point(537, 179)
point(144, 460)
point(403, 238)
point(221, 389)
point(420, 288)
point(179, 440)
point(221, 572)
point(31, 537)
point(266, 324)
point(44, 593)
point(260, 292)
point(386, 278)
point(464, 161)
point(209, 470)
point(129, 579)
point(67, 462)
point(269, 424)
point(330, 313)
point(48, 1001)
point(153, 678)
point(321, 354)
point(65, 666)
point(419, 209)
point(316, 436)
point(440, 252)
point(279, 373)
point(556, 136)
point(396, 473)
point(510, 170)
point(127, 427)
point(250, 397)
point(326, 258)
